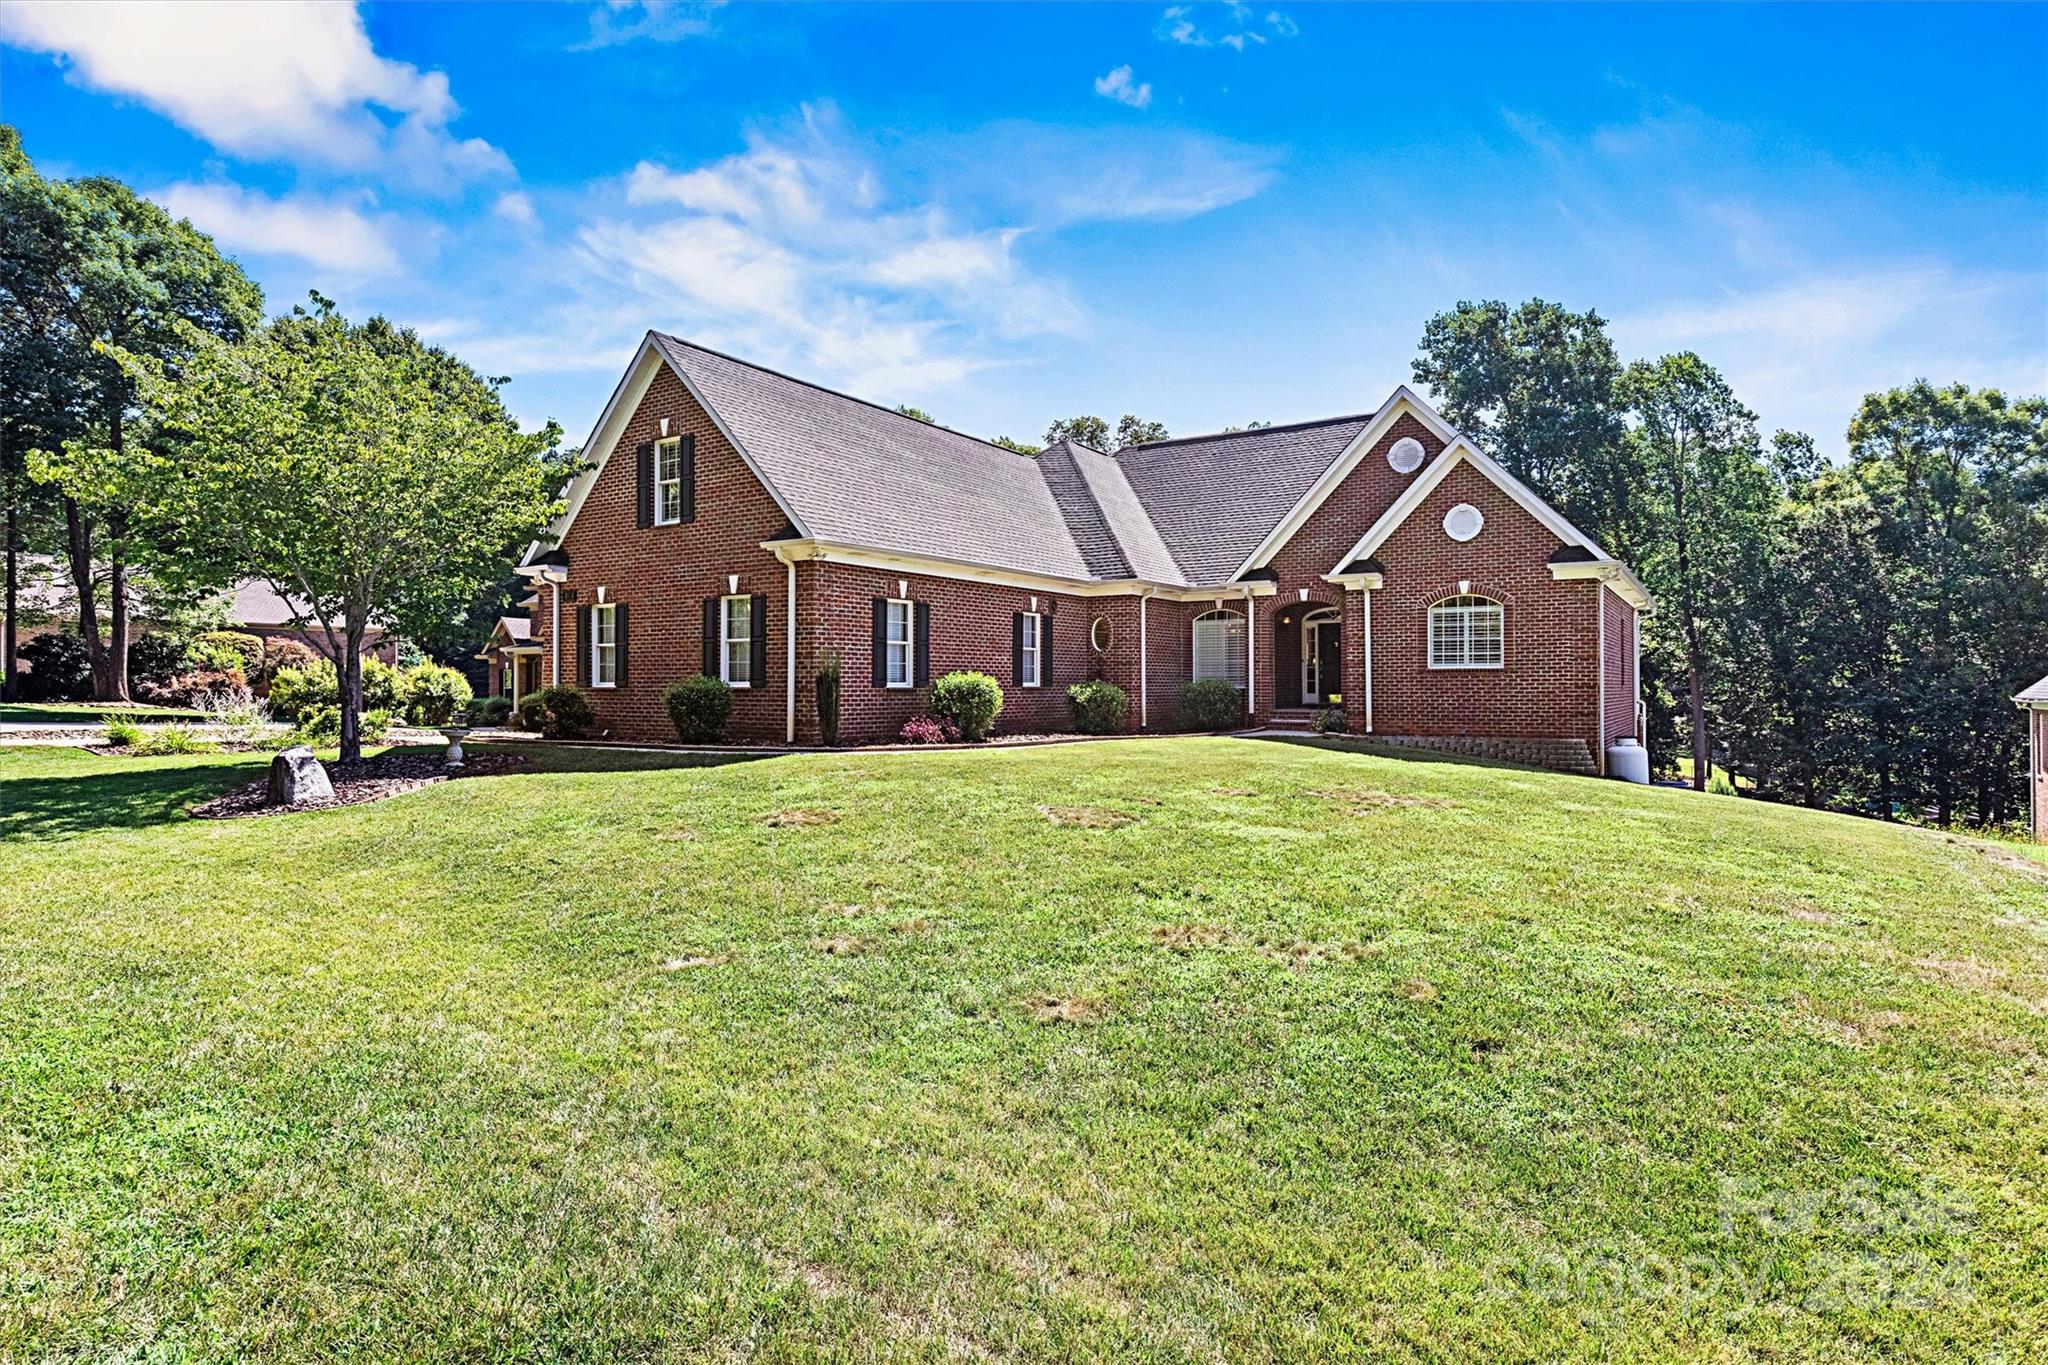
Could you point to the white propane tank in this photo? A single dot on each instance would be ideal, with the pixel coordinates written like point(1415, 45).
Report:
point(1628, 761)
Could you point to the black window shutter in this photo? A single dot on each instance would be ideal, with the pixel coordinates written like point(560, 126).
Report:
point(619, 644)
point(758, 664)
point(689, 498)
point(644, 483)
point(1016, 649)
point(881, 660)
point(581, 673)
point(924, 643)
point(711, 609)
point(1045, 649)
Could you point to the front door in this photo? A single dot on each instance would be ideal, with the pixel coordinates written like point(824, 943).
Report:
point(1320, 659)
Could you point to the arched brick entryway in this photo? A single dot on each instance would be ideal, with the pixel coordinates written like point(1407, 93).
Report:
point(1308, 654)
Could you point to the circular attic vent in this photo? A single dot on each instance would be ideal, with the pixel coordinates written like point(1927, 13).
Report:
point(1463, 522)
point(1405, 455)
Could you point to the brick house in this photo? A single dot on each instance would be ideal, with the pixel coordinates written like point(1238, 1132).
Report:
point(1377, 563)
point(2034, 702)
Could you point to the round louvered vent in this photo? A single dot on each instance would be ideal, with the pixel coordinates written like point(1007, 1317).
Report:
point(1463, 522)
point(1405, 455)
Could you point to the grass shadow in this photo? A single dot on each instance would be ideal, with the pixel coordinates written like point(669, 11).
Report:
point(84, 803)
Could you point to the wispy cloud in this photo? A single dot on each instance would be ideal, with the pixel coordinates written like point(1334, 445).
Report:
point(1235, 26)
point(1119, 85)
point(331, 234)
point(653, 21)
point(295, 80)
point(515, 206)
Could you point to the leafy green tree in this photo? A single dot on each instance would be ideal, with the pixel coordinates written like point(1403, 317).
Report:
point(1704, 497)
point(377, 478)
point(1020, 447)
point(1095, 433)
point(918, 413)
point(118, 274)
point(1534, 387)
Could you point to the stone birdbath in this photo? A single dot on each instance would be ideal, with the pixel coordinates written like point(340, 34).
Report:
point(454, 734)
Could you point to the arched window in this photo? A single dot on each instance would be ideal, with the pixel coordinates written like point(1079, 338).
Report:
point(1465, 632)
point(1219, 647)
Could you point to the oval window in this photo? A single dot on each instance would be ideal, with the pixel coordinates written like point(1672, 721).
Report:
point(1405, 455)
point(1463, 521)
point(1098, 634)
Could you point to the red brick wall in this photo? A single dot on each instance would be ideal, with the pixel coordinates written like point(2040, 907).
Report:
point(1618, 620)
point(1549, 684)
point(664, 573)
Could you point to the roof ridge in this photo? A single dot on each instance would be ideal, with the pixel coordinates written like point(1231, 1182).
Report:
point(839, 393)
point(1250, 431)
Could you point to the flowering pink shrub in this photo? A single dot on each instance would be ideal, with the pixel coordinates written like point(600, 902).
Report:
point(929, 730)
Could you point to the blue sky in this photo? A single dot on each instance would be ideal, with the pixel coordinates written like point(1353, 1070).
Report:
point(1206, 214)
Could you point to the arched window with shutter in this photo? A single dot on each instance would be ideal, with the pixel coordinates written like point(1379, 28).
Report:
point(1220, 647)
point(1466, 632)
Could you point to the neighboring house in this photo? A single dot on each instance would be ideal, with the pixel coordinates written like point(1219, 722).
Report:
point(49, 603)
point(513, 659)
point(2034, 701)
point(1377, 563)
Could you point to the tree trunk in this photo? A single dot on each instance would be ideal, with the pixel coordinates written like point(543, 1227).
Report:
point(10, 683)
point(78, 555)
point(352, 691)
point(111, 684)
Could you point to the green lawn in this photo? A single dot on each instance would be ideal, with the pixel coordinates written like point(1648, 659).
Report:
point(1321, 1055)
point(85, 713)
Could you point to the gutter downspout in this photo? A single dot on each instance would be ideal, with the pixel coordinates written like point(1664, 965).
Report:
point(555, 636)
point(1368, 660)
point(1251, 656)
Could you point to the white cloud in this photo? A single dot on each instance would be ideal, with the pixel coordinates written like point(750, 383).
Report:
point(1119, 86)
point(1803, 352)
point(654, 21)
point(323, 232)
point(1237, 26)
point(290, 79)
point(514, 206)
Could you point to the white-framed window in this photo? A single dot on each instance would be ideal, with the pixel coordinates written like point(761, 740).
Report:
point(736, 640)
point(1219, 647)
point(604, 645)
point(668, 481)
point(899, 646)
point(1030, 627)
point(1466, 632)
point(1099, 633)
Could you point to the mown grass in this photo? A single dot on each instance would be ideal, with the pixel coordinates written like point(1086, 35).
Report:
point(85, 713)
point(1194, 1049)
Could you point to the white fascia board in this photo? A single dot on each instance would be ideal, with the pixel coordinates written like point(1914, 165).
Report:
point(611, 425)
point(898, 561)
point(1615, 575)
point(1356, 582)
point(1403, 399)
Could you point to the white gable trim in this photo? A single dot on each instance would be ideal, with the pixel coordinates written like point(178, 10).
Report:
point(1462, 451)
point(611, 425)
point(1403, 399)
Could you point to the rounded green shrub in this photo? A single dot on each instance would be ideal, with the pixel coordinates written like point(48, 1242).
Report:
point(383, 685)
point(698, 708)
point(488, 710)
point(297, 690)
point(559, 712)
point(321, 727)
point(225, 651)
point(970, 700)
point(434, 693)
point(1100, 708)
point(1211, 704)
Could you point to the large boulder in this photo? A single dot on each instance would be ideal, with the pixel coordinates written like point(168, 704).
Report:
point(296, 777)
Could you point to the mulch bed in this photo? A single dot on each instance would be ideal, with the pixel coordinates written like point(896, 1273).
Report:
point(373, 779)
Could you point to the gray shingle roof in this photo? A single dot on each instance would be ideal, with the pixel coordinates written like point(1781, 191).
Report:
point(1185, 511)
point(1214, 498)
point(857, 472)
point(2038, 692)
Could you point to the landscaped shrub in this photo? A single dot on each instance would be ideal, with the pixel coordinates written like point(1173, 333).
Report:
point(434, 693)
point(383, 686)
point(488, 710)
point(971, 701)
point(58, 668)
point(321, 727)
point(929, 730)
point(194, 689)
point(122, 734)
point(153, 660)
point(297, 690)
point(559, 712)
point(1211, 704)
point(828, 697)
point(225, 651)
point(1100, 708)
point(698, 708)
point(172, 739)
point(278, 654)
point(1331, 721)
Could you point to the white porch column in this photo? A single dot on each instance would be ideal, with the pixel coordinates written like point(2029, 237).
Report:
point(1366, 635)
point(1144, 666)
point(1251, 655)
point(555, 635)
